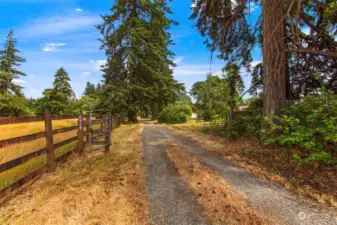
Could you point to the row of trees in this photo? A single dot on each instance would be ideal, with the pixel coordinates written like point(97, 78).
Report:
point(60, 100)
point(138, 74)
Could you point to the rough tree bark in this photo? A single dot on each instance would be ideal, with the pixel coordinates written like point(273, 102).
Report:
point(155, 110)
point(274, 57)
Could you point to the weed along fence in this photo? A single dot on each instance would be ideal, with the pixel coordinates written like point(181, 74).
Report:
point(92, 131)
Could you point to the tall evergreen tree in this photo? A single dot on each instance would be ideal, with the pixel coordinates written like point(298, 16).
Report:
point(9, 60)
point(138, 72)
point(58, 99)
point(90, 89)
point(62, 91)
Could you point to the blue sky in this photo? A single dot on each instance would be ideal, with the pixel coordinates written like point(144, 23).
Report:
point(55, 33)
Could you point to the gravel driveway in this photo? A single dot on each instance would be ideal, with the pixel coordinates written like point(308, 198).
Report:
point(173, 203)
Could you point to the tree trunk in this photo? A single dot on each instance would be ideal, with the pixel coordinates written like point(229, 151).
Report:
point(132, 116)
point(274, 57)
point(155, 110)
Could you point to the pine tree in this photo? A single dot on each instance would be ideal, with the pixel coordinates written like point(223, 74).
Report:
point(90, 89)
point(138, 74)
point(164, 89)
point(62, 91)
point(57, 100)
point(9, 60)
point(99, 88)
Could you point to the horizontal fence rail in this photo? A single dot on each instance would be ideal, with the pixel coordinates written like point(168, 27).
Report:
point(26, 138)
point(65, 142)
point(103, 132)
point(32, 137)
point(21, 160)
point(29, 119)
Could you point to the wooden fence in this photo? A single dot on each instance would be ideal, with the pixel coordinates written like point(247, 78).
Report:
point(29, 119)
point(50, 148)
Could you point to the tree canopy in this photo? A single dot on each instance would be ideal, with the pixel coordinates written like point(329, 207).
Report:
point(9, 60)
point(295, 62)
point(57, 100)
point(138, 73)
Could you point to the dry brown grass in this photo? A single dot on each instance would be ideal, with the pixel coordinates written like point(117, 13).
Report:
point(15, 130)
point(221, 203)
point(268, 164)
point(14, 151)
point(95, 189)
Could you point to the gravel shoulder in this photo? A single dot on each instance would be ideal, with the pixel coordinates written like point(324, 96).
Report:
point(273, 200)
point(171, 201)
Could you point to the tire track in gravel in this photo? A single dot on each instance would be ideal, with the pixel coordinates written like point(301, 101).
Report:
point(171, 201)
point(272, 200)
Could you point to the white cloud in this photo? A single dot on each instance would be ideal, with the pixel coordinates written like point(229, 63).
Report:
point(97, 64)
point(79, 10)
point(192, 70)
point(17, 81)
point(58, 25)
point(52, 47)
point(86, 74)
point(178, 59)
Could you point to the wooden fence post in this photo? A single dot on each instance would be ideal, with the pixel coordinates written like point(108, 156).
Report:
point(51, 162)
point(80, 135)
point(107, 132)
point(87, 123)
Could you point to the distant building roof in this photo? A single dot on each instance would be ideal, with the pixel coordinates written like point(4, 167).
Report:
point(243, 107)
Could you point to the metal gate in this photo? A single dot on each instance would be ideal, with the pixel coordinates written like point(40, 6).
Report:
point(99, 127)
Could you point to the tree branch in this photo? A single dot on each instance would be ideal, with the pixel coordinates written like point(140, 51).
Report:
point(312, 52)
point(320, 4)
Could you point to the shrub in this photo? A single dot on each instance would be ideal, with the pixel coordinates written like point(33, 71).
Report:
point(244, 126)
point(310, 126)
point(175, 113)
point(11, 105)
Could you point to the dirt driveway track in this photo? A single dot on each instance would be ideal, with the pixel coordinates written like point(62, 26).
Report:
point(173, 203)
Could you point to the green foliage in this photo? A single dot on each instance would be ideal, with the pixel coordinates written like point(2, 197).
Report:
point(310, 126)
point(90, 89)
point(183, 98)
point(62, 91)
point(9, 60)
point(12, 100)
point(245, 126)
point(330, 13)
point(175, 113)
point(84, 105)
point(11, 105)
point(211, 97)
point(138, 72)
point(58, 100)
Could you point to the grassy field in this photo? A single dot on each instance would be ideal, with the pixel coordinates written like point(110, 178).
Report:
point(20, 129)
point(96, 189)
point(14, 151)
